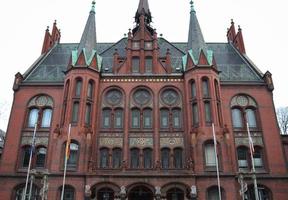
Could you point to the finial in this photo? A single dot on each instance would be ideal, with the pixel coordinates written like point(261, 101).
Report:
point(232, 22)
point(93, 6)
point(47, 29)
point(239, 28)
point(192, 6)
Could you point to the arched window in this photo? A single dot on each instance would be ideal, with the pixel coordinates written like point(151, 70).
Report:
point(104, 158)
point(237, 118)
point(195, 114)
point(242, 154)
point(175, 194)
point(90, 89)
point(213, 193)
point(118, 118)
point(106, 120)
point(208, 117)
point(135, 65)
point(165, 155)
point(176, 118)
point(41, 157)
point(210, 158)
point(164, 118)
point(134, 158)
point(105, 194)
point(135, 118)
point(147, 158)
point(251, 118)
point(205, 87)
point(33, 117)
point(73, 155)
point(178, 158)
point(19, 192)
point(147, 121)
point(117, 158)
point(148, 64)
point(75, 112)
point(88, 114)
point(78, 88)
point(263, 193)
point(26, 156)
point(193, 89)
point(46, 118)
point(69, 193)
point(258, 157)
point(216, 85)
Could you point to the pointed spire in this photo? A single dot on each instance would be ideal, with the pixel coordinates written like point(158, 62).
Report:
point(143, 9)
point(88, 39)
point(196, 41)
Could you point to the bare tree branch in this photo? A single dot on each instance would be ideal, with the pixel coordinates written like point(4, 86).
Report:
point(282, 116)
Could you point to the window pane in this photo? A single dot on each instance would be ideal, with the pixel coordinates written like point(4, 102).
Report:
point(73, 156)
point(33, 117)
point(104, 158)
point(147, 153)
point(177, 119)
point(68, 193)
point(257, 157)
point(148, 64)
point(237, 118)
point(46, 118)
point(178, 158)
point(88, 114)
point(75, 112)
point(165, 154)
point(135, 65)
point(242, 157)
point(106, 118)
point(117, 158)
point(118, 121)
point(193, 89)
point(213, 194)
point(205, 88)
point(40, 157)
point(195, 114)
point(207, 112)
point(147, 113)
point(135, 118)
point(26, 156)
point(90, 90)
point(164, 118)
point(78, 88)
point(251, 118)
point(210, 158)
point(134, 158)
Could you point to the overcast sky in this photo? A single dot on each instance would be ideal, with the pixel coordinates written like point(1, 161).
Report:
point(23, 23)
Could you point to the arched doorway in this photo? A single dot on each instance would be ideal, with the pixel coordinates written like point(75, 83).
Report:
point(105, 194)
point(175, 194)
point(140, 192)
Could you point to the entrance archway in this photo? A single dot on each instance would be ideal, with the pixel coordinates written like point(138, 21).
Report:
point(140, 192)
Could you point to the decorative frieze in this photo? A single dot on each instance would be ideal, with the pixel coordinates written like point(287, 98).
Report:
point(111, 142)
point(38, 141)
point(141, 142)
point(245, 141)
point(171, 142)
point(125, 80)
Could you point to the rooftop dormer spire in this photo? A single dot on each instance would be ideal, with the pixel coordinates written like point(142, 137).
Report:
point(88, 39)
point(196, 41)
point(143, 9)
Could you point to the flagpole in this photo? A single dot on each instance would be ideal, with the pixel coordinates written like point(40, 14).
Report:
point(251, 147)
point(217, 165)
point(30, 160)
point(65, 164)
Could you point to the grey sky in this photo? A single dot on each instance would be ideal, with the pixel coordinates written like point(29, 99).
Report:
point(23, 24)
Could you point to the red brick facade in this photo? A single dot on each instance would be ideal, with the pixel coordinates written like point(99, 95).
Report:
point(141, 117)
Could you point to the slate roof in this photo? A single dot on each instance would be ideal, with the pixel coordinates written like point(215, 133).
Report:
point(50, 68)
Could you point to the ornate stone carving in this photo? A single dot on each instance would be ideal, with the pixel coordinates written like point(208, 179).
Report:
point(111, 142)
point(170, 97)
point(114, 97)
point(141, 142)
point(171, 142)
point(245, 141)
point(142, 97)
point(38, 141)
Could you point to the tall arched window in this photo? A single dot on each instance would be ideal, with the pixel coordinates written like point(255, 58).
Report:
point(104, 158)
point(178, 158)
point(148, 64)
point(263, 193)
point(73, 155)
point(78, 88)
point(258, 157)
point(118, 118)
point(134, 158)
point(242, 154)
point(210, 157)
point(25, 156)
point(90, 89)
point(135, 118)
point(251, 118)
point(205, 87)
point(19, 192)
point(33, 117)
point(75, 112)
point(117, 157)
point(105, 194)
point(195, 114)
point(46, 118)
point(135, 65)
point(213, 193)
point(88, 114)
point(207, 107)
point(147, 115)
point(237, 118)
point(106, 118)
point(41, 157)
point(176, 118)
point(164, 117)
point(165, 155)
point(147, 158)
point(69, 193)
point(193, 89)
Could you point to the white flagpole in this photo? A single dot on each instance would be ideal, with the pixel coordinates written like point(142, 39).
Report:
point(217, 165)
point(251, 147)
point(65, 164)
point(30, 160)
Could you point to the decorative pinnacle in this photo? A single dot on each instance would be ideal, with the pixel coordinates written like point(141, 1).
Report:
point(93, 6)
point(192, 6)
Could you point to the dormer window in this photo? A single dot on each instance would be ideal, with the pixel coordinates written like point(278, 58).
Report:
point(136, 45)
point(148, 45)
point(135, 65)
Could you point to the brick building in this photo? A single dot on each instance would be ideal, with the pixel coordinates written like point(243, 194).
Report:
point(141, 111)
